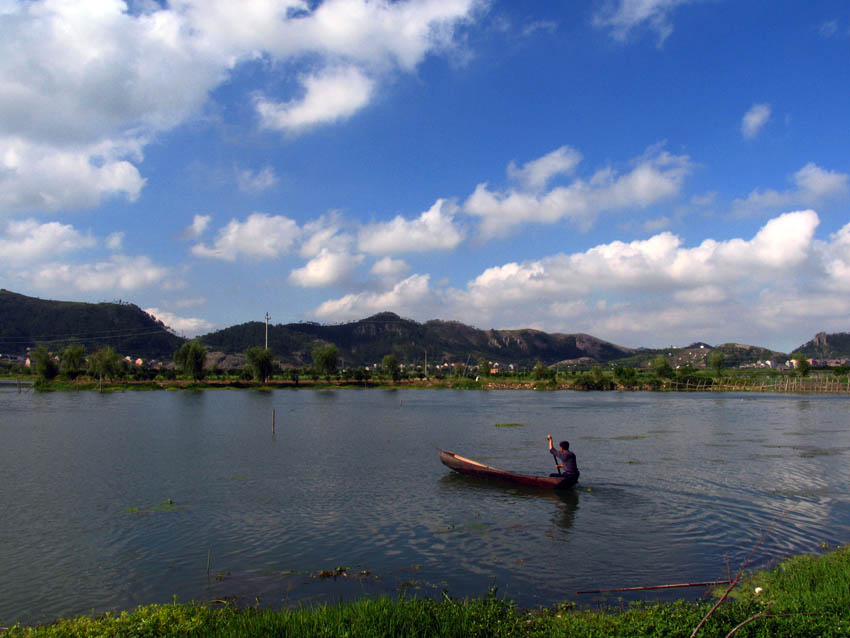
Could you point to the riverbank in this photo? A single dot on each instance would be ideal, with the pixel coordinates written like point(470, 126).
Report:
point(804, 596)
point(783, 384)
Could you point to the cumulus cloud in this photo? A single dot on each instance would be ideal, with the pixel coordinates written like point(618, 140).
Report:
point(754, 120)
point(189, 326)
point(332, 95)
point(118, 273)
point(813, 185)
point(782, 278)
point(325, 269)
point(655, 176)
point(85, 86)
point(623, 17)
point(256, 182)
point(260, 236)
point(41, 177)
point(409, 297)
point(435, 229)
point(28, 240)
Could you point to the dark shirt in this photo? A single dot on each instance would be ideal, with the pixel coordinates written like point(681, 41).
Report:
point(567, 459)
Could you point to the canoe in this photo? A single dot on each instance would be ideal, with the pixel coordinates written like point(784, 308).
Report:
point(473, 468)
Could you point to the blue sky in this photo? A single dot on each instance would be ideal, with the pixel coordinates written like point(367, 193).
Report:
point(651, 172)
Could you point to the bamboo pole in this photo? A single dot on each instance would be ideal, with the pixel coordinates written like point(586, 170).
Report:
point(647, 587)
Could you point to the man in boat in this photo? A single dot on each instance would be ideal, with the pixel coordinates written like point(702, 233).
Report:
point(564, 459)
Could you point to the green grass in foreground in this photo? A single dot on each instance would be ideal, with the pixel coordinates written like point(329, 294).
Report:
point(803, 597)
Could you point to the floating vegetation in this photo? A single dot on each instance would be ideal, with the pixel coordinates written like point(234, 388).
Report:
point(629, 437)
point(332, 573)
point(508, 425)
point(165, 506)
point(633, 462)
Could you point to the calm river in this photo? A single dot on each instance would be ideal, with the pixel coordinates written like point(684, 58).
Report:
point(674, 488)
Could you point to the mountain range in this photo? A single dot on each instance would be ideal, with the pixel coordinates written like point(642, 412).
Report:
point(26, 321)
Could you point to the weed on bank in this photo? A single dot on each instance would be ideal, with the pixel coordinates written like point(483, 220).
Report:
point(803, 597)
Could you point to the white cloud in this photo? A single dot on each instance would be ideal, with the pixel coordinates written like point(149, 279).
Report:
point(28, 240)
point(389, 267)
point(189, 326)
point(256, 182)
point(197, 227)
point(332, 95)
point(409, 297)
point(837, 260)
point(654, 177)
point(260, 236)
point(86, 85)
point(435, 229)
point(754, 120)
point(326, 269)
point(624, 16)
point(115, 241)
point(536, 174)
point(813, 186)
point(118, 273)
point(324, 233)
point(42, 177)
point(615, 290)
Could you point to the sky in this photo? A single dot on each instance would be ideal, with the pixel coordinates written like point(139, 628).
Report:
point(650, 172)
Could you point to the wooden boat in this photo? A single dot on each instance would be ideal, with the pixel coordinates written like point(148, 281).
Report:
point(473, 468)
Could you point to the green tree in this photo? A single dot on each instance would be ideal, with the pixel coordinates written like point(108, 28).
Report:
point(541, 371)
point(661, 366)
point(802, 365)
point(104, 364)
point(627, 377)
point(483, 367)
point(717, 361)
point(390, 367)
point(73, 361)
point(325, 357)
point(260, 363)
point(43, 363)
point(190, 358)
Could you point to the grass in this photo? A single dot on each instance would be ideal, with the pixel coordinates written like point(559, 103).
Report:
point(803, 597)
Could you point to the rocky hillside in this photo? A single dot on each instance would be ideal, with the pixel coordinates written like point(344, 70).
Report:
point(826, 346)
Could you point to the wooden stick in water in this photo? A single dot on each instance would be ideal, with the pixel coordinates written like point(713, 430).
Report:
point(645, 587)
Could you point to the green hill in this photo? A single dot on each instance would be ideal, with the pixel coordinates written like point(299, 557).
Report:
point(367, 341)
point(27, 321)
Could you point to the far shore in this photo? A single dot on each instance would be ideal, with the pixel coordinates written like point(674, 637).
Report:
point(827, 384)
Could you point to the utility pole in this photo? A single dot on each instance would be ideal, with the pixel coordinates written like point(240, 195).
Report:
point(426, 364)
point(267, 330)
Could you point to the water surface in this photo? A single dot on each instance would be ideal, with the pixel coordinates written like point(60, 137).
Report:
point(114, 500)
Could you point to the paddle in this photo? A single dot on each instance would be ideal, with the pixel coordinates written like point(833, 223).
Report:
point(555, 458)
